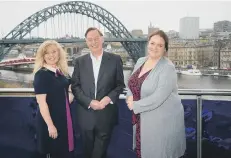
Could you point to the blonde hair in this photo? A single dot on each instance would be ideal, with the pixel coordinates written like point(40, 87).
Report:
point(40, 62)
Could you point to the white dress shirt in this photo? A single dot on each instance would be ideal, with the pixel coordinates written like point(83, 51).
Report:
point(96, 66)
point(96, 62)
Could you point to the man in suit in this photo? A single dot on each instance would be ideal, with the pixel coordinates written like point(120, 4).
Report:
point(97, 82)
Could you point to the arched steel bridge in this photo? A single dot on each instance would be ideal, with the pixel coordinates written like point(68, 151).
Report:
point(135, 47)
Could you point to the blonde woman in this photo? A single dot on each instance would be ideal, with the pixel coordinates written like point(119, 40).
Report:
point(53, 94)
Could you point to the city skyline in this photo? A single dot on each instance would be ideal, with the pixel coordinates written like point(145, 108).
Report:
point(144, 13)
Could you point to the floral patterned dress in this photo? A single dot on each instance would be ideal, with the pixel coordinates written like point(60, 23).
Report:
point(134, 85)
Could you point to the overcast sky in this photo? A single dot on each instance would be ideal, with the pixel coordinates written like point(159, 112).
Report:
point(133, 14)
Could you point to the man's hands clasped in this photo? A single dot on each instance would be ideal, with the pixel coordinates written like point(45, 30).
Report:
point(99, 105)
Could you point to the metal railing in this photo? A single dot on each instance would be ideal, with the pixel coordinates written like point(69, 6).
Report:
point(215, 92)
point(197, 93)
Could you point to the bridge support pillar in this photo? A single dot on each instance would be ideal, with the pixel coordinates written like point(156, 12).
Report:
point(2, 48)
point(143, 47)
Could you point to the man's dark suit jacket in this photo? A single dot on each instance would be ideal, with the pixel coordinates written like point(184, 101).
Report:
point(110, 83)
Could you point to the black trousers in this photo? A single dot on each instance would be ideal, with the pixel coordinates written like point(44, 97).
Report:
point(96, 142)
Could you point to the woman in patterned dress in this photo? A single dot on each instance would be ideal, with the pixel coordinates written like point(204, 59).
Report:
point(158, 115)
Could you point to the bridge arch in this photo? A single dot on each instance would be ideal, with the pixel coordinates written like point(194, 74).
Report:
point(79, 7)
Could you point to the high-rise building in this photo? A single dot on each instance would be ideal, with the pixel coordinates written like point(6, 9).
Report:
point(189, 28)
point(222, 26)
